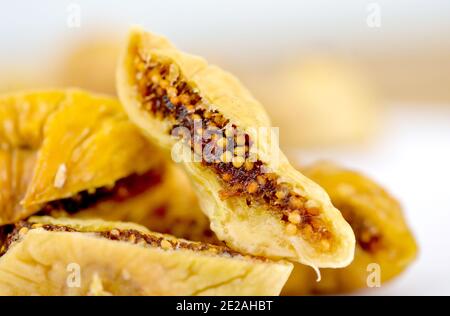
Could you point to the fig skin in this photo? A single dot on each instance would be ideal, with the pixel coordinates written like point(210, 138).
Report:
point(81, 262)
point(56, 143)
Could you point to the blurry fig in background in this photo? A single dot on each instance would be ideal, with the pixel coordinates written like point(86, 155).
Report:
point(90, 63)
point(385, 245)
point(318, 102)
point(19, 77)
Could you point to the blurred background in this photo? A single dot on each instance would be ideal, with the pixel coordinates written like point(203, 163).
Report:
point(362, 83)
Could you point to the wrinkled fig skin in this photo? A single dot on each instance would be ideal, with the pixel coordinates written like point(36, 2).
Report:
point(382, 234)
point(57, 144)
point(133, 261)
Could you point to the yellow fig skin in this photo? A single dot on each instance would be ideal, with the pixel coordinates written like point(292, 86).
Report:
point(43, 262)
point(359, 199)
point(56, 143)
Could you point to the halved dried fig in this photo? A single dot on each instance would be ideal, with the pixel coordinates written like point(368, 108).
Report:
point(256, 201)
point(46, 256)
point(69, 150)
point(382, 235)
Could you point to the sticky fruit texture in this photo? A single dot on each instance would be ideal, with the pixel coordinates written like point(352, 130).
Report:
point(56, 144)
point(381, 231)
point(256, 201)
point(46, 256)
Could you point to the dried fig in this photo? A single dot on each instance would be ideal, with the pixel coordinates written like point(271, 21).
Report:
point(69, 150)
point(256, 201)
point(384, 243)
